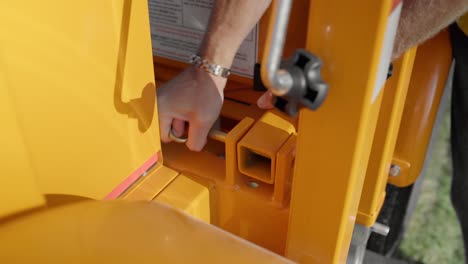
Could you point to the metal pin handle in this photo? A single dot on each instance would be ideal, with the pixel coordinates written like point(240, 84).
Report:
point(380, 229)
point(278, 81)
point(214, 134)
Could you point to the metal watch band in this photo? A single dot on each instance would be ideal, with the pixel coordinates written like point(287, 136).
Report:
point(210, 67)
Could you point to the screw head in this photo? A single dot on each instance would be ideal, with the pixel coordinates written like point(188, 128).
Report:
point(394, 170)
point(253, 184)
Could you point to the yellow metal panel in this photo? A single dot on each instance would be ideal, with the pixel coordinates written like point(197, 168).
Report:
point(284, 172)
point(122, 232)
point(234, 136)
point(280, 120)
point(147, 187)
point(430, 73)
point(394, 97)
point(81, 81)
point(329, 173)
point(236, 206)
point(256, 151)
point(18, 187)
point(187, 195)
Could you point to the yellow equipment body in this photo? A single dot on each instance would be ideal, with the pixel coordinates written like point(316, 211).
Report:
point(78, 87)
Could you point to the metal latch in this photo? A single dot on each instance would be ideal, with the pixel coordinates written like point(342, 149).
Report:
point(297, 79)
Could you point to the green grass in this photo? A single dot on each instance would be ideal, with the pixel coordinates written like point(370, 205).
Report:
point(434, 235)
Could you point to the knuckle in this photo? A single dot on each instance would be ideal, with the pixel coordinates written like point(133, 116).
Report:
point(204, 119)
point(165, 139)
point(195, 147)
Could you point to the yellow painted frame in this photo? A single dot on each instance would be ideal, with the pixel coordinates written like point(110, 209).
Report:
point(394, 97)
point(320, 228)
point(116, 64)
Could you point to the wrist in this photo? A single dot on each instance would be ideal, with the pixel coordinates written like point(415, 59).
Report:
point(222, 54)
point(201, 76)
point(209, 66)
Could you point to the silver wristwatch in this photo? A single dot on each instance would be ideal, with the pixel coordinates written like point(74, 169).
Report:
point(210, 67)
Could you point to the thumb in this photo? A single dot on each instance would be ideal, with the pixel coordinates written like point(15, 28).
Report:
point(266, 101)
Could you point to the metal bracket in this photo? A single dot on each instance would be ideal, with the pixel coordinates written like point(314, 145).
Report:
point(299, 78)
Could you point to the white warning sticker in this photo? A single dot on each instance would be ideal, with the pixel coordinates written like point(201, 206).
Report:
point(178, 27)
point(387, 49)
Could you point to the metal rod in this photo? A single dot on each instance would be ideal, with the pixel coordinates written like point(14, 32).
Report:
point(217, 135)
point(380, 229)
point(278, 81)
point(214, 134)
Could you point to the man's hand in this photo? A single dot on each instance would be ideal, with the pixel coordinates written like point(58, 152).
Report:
point(266, 101)
point(194, 96)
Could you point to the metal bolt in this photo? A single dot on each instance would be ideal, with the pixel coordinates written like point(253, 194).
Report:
point(253, 184)
point(380, 229)
point(394, 170)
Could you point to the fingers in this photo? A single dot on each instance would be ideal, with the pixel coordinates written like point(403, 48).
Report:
point(165, 124)
point(198, 132)
point(178, 127)
point(266, 101)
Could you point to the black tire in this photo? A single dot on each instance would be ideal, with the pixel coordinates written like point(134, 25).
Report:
point(395, 215)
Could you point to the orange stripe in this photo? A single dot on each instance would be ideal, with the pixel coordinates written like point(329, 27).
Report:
point(132, 178)
point(395, 5)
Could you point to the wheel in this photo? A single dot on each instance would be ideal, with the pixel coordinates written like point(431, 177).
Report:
point(396, 213)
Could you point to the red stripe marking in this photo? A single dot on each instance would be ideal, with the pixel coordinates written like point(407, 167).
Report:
point(395, 4)
point(132, 178)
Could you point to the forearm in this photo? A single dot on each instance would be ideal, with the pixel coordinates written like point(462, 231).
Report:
point(422, 19)
point(230, 22)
